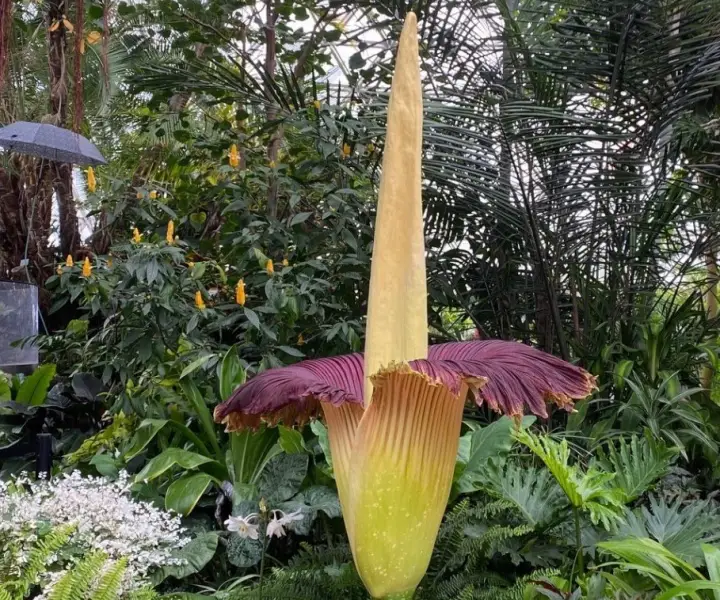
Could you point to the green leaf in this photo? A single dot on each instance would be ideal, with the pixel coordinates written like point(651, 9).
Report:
point(299, 218)
point(291, 351)
point(105, 465)
point(321, 432)
point(250, 451)
point(282, 477)
point(170, 458)
point(33, 390)
point(712, 561)
point(321, 498)
point(251, 316)
point(244, 552)
point(203, 414)
point(192, 557)
point(183, 494)
point(198, 270)
point(195, 365)
point(231, 374)
point(492, 441)
point(291, 440)
point(637, 463)
point(145, 433)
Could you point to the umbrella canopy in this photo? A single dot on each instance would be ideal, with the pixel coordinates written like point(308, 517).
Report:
point(53, 143)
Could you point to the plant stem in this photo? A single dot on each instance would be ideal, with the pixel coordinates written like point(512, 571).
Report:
point(262, 566)
point(578, 542)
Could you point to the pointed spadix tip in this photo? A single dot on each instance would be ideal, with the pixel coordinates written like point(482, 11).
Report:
point(410, 26)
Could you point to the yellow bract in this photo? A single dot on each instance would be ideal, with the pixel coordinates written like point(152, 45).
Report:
point(240, 292)
point(199, 302)
point(170, 234)
point(270, 267)
point(153, 195)
point(91, 183)
point(136, 235)
point(86, 268)
point(69, 261)
point(234, 157)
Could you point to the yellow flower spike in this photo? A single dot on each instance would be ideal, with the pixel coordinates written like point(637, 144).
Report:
point(59, 270)
point(270, 267)
point(69, 261)
point(153, 195)
point(240, 292)
point(170, 234)
point(190, 264)
point(93, 37)
point(86, 268)
point(397, 326)
point(346, 150)
point(136, 237)
point(272, 164)
point(286, 262)
point(300, 340)
point(234, 157)
point(91, 182)
point(317, 104)
point(199, 302)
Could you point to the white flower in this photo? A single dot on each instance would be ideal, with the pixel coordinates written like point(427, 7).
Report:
point(276, 527)
point(245, 527)
point(106, 518)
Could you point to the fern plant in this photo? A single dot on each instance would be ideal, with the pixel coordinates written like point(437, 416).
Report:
point(94, 577)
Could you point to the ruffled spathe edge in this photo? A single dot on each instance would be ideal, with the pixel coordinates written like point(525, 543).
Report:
point(509, 377)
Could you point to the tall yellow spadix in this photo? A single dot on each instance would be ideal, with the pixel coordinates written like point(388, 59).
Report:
point(397, 309)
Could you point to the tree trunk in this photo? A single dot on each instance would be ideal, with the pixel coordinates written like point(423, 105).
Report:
point(62, 173)
point(270, 61)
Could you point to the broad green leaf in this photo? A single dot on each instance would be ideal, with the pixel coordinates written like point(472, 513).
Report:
point(244, 552)
point(195, 365)
point(33, 390)
point(492, 441)
point(105, 465)
point(183, 494)
point(173, 457)
point(145, 433)
point(321, 498)
point(712, 561)
point(231, 373)
point(251, 316)
point(321, 432)
point(687, 589)
point(203, 414)
point(249, 452)
point(191, 558)
point(5, 389)
point(282, 477)
point(291, 440)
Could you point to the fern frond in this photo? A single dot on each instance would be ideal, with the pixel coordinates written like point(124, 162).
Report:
point(108, 586)
point(39, 555)
point(77, 582)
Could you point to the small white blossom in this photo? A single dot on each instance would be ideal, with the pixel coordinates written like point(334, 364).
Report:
point(276, 526)
point(245, 527)
point(106, 519)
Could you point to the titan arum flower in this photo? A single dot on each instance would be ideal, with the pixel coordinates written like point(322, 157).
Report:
point(394, 414)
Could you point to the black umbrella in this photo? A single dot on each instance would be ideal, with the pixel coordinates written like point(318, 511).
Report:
point(53, 143)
